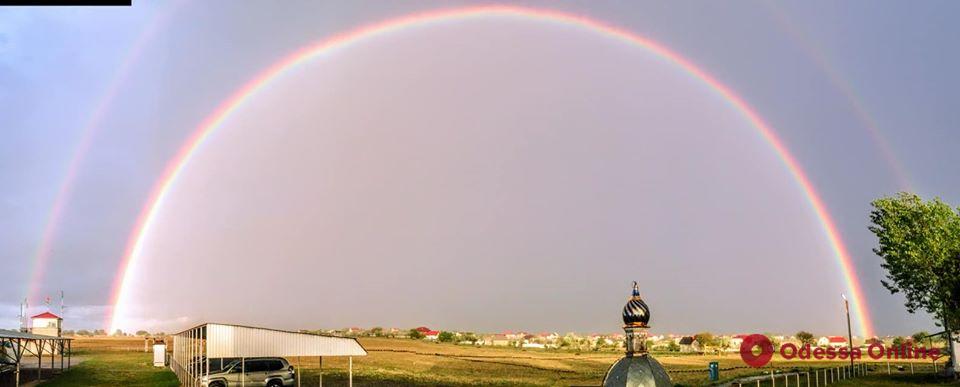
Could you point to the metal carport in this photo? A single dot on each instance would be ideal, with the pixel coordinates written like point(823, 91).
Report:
point(212, 340)
point(13, 345)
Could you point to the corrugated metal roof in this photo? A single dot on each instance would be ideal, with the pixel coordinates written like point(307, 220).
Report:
point(7, 334)
point(227, 340)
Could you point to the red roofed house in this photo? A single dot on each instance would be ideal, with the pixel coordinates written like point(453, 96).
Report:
point(423, 329)
point(46, 324)
point(431, 335)
point(832, 341)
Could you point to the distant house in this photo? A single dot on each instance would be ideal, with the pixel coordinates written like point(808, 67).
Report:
point(874, 340)
point(736, 341)
point(689, 344)
point(514, 335)
point(423, 330)
point(832, 341)
point(499, 340)
point(549, 336)
point(431, 335)
point(533, 345)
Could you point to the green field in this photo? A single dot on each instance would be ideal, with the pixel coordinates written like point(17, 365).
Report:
point(396, 362)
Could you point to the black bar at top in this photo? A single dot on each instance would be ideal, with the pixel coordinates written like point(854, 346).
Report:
point(67, 2)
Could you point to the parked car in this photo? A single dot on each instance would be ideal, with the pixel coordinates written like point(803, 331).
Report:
point(253, 372)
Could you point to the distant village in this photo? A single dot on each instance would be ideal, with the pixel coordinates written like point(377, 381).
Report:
point(700, 343)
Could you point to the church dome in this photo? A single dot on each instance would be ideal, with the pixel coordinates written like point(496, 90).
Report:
point(637, 371)
point(636, 313)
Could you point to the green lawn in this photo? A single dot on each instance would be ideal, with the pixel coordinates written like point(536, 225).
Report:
point(115, 369)
point(394, 362)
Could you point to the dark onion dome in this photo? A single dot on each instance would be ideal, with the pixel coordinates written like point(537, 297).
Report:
point(636, 313)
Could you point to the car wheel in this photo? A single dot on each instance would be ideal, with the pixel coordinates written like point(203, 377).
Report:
point(217, 384)
point(274, 383)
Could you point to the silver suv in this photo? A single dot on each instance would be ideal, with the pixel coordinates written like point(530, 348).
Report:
point(256, 372)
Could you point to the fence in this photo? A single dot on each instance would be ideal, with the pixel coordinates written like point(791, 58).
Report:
point(826, 376)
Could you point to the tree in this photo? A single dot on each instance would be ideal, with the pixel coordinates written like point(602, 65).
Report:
point(805, 337)
point(143, 333)
point(376, 331)
point(919, 337)
point(446, 337)
point(919, 242)
point(415, 334)
point(705, 338)
point(84, 332)
point(99, 332)
point(673, 346)
point(898, 341)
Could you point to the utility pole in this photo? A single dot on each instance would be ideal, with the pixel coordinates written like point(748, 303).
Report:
point(846, 305)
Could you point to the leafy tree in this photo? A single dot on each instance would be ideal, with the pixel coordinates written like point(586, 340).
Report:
point(469, 336)
point(919, 337)
point(920, 247)
point(705, 338)
point(673, 346)
point(84, 332)
point(446, 337)
point(805, 337)
point(376, 331)
point(99, 332)
point(143, 333)
point(415, 334)
point(118, 333)
point(919, 242)
point(898, 341)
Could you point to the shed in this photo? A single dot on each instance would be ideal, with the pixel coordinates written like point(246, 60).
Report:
point(194, 348)
point(14, 344)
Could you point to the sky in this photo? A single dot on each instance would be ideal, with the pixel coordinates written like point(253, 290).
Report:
point(485, 174)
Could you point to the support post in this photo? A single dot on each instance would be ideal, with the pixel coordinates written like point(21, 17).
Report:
point(321, 371)
point(40, 360)
point(350, 380)
point(298, 371)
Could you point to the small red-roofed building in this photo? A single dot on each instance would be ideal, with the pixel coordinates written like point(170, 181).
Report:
point(832, 341)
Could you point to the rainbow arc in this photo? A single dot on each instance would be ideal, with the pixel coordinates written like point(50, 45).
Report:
point(215, 120)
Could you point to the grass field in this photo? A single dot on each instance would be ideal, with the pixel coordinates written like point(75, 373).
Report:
point(395, 362)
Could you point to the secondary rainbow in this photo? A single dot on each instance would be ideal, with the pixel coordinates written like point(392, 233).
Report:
point(173, 169)
point(88, 132)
